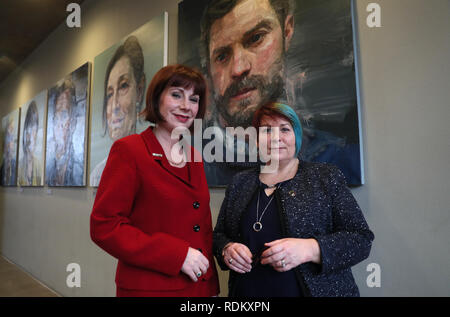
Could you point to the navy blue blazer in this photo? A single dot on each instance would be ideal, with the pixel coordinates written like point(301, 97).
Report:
point(315, 203)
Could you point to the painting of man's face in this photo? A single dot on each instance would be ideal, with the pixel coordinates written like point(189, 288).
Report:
point(61, 123)
point(246, 60)
point(66, 129)
point(296, 52)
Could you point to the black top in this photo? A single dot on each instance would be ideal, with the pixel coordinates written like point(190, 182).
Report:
point(263, 280)
point(317, 204)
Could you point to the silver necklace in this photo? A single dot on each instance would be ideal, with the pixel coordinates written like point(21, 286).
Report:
point(257, 226)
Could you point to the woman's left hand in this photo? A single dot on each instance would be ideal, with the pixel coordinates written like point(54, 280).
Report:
point(285, 254)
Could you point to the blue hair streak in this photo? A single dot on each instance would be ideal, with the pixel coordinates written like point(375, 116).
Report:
point(289, 113)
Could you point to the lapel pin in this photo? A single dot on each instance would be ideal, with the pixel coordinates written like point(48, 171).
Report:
point(292, 193)
point(157, 154)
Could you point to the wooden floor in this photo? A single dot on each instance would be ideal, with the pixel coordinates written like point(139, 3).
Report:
point(14, 282)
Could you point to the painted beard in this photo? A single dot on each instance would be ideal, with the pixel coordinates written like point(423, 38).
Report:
point(268, 90)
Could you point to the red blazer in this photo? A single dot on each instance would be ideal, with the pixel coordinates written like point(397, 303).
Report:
point(147, 216)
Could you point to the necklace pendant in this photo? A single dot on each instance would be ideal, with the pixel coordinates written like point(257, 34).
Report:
point(257, 226)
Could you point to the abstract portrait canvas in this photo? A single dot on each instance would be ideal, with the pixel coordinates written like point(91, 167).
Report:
point(10, 131)
point(32, 141)
point(68, 102)
point(297, 52)
point(121, 76)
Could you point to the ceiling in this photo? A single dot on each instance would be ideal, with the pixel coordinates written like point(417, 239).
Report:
point(24, 24)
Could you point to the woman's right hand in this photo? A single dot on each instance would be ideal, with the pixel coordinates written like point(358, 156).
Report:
point(194, 264)
point(237, 257)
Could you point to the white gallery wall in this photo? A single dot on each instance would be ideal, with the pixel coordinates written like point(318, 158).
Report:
point(404, 85)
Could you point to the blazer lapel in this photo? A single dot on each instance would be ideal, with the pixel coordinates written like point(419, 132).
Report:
point(157, 153)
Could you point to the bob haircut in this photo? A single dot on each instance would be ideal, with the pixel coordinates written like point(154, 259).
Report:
point(280, 110)
point(174, 76)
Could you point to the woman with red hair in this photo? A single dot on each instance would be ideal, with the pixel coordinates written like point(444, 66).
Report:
point(152, 209)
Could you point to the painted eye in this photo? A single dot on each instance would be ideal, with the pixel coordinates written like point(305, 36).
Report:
point(255, 38)
point(123, 87)
point(194, 100)
point(221, 57)
point(176, 95)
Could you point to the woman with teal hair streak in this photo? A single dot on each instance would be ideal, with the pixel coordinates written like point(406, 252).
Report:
point(293, 230)
point(282, 110)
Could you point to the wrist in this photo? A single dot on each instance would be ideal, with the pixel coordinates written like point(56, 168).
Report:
point(225, 248)
point(314, 251)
